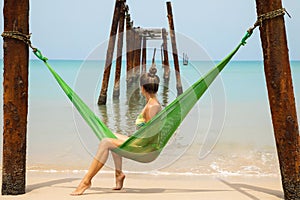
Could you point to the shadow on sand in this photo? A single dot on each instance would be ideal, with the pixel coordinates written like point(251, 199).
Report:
point(243, 187)
point(148, 190)
point(98, 190)
point(32, 187)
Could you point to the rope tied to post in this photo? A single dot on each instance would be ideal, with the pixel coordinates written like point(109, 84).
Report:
point(263, 17)
point(26, 39)
point(19, 36)
point(267, 16)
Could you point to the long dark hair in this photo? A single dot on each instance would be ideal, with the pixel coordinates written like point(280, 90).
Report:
point(150, 81)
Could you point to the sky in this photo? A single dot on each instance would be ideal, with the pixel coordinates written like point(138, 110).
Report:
point(71, 29)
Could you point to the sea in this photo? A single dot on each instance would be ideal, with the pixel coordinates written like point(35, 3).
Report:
point(227, 133)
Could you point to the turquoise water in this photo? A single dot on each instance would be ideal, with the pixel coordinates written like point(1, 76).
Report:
point(230, 123)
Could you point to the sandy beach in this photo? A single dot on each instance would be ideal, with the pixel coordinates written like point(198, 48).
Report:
point(42, 185)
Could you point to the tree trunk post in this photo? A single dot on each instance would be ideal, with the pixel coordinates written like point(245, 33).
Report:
point(144, 55)
point(116, 92)
point(15, 98)
point(174, 48)
point(281, 97)
point(166, 64)
point(110, 52)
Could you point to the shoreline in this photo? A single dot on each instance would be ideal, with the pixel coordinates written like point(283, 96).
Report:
point(147, 186)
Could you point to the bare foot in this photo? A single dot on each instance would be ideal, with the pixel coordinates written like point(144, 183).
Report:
point(119, 181)
point(81, 188)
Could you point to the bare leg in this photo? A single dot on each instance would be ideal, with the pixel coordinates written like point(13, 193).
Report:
point(120, 176)
point(98, 162)
point(86, 182)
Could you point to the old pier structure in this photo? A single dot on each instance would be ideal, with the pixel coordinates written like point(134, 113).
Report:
point(136, 50)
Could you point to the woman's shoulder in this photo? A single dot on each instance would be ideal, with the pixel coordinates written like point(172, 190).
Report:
point(152, 109)
point(155, 106)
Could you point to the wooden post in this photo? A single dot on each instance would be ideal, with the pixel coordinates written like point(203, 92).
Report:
point(110, 51)
point(15, 98)
point(133, 53)
point(116, 92)
point(129, 49)
point(162, 55)
point(137, 54)
point(153, 57)
point(174, 48)
point(281, 97)
point(144, 55)
point(166, 64)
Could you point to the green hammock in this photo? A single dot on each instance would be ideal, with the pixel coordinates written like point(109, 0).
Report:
point(147, 142)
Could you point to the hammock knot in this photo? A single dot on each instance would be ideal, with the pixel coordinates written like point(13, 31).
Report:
point(247, 35)
point(39, 54)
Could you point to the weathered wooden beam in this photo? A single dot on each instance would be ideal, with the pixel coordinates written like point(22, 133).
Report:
point(150, 33)
point(133, 51)
point(116, 92)
point(110, 51)
point(144, 55)
point(166, 64)
point(15, 98)
point(153, 57)
point(137, 54)
point(174, 48)
point(281, 97)
point(129, 49)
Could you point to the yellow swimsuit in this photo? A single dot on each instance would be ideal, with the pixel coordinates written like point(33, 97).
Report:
point(140, 120)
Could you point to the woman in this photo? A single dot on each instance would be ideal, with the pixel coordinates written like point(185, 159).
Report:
point(149, 83)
